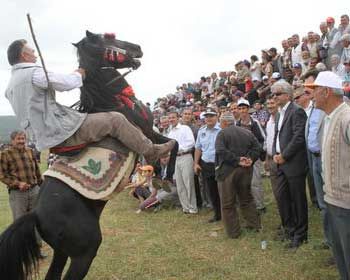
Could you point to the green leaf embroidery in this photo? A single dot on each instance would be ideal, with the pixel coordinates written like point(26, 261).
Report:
point(93, 166)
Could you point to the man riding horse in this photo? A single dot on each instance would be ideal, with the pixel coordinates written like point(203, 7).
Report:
point(67, 220)
point(55, 125)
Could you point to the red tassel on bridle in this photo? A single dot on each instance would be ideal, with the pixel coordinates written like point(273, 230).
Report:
point(125, 98)
point(110, 36)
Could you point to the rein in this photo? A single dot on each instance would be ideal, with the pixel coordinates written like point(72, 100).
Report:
point(118, 77)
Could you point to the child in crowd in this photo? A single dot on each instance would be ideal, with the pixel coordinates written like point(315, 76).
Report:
point(148, 172)
point(142, 188)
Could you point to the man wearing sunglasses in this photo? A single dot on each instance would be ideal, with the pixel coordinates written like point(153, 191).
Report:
point(303, 97)
point(313, 136)
point(289, 154)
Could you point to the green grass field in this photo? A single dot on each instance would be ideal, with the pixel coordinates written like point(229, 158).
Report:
point(170, 245)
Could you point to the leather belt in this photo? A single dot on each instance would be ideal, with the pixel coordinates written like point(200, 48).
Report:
point(67, 149)
point(184, 153)
point(16, 188)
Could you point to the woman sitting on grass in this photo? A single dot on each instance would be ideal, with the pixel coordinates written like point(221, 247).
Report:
point(142, 187)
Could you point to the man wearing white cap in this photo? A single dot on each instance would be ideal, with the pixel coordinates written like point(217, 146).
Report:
point(204, 159)
point(328, 96)
point(276, 76)
point(253, 125)
point(265, 88)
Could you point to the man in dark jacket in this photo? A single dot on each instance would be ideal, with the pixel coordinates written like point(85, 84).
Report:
point(253, 125)
point(289, 153)
point(236, 151)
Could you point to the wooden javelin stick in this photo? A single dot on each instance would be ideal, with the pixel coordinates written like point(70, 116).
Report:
point(39, 52)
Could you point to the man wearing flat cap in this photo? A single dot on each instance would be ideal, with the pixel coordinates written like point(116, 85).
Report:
point(328, 96)
point(204, 159)
point(236, 151)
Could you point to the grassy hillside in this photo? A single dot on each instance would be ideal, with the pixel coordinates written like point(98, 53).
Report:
point(7, 125)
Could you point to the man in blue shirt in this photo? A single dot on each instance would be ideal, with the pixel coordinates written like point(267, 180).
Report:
point(204, 159)
point(313, 135)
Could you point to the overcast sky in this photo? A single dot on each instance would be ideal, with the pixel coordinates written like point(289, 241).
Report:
point(181, 40)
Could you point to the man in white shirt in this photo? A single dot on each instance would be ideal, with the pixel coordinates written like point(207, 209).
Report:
point(296, 50)
point(312, 44)
point(270, 135)
point(337, 67)
point(331, 29)
point(184, 173)
point(345, 40)
point(255, 68)
point(343, 28)
point(51, 124)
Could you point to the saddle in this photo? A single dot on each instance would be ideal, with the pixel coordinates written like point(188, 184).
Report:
point(97, 171)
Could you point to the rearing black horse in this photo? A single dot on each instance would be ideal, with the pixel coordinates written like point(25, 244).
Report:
point(105, 89)
point(66, 220)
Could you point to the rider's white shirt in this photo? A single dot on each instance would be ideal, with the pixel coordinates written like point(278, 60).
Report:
point(60, 82)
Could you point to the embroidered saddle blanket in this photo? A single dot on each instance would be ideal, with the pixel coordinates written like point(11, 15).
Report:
point(96, 173)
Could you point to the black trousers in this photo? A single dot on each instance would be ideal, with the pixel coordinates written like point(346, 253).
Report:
point(292, 204)
point(208, 174)
point(197, 189)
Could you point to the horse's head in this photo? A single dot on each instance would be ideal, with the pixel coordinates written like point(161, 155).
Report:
point(104, 50)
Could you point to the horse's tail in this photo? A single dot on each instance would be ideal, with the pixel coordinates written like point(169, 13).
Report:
point(19, 249)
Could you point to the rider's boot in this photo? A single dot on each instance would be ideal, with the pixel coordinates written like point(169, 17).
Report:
point(158, 150)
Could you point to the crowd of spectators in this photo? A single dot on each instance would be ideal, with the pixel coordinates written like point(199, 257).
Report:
point(251, 96)
point(252, 78)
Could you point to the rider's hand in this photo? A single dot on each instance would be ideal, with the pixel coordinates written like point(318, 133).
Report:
point(82, 72)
